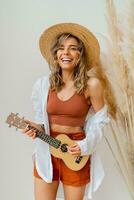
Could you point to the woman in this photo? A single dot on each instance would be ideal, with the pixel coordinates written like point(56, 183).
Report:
point(74, 100)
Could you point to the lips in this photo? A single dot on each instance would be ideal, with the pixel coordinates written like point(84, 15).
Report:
point(66, 60)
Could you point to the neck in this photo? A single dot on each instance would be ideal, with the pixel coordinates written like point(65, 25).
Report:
point(67, 76)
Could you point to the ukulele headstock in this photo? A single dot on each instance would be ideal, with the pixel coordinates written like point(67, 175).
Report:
point(14, 120)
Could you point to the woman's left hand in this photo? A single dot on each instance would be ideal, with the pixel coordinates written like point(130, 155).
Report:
point(74, 149)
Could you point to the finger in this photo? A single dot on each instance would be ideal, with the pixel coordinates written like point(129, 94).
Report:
point(76, 148)
point(76, 153)
point(25, 130)
point(31, 135)
point(34, 136)
point(73, 150)
point(27, 121)
point(73, 146)
point(30, 131)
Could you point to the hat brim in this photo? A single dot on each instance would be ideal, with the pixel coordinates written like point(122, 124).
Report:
point(90, 42)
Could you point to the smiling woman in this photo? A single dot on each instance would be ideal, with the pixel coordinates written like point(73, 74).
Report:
point(68, 53)
point(63, 102)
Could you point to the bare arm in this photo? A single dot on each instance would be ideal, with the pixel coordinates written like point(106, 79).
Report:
point(95, 93)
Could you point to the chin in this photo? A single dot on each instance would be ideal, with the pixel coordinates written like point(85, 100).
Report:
point(66, 66)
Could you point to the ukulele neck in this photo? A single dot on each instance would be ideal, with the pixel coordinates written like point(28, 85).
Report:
point(47, 138)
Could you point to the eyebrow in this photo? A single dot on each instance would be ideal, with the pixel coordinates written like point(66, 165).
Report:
point(72, 45)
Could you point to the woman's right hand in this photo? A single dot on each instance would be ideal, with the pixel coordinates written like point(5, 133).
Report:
point(32, 132)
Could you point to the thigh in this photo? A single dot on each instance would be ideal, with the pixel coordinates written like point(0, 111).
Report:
point(45, 191)
point(75, 178)
point(74, 193)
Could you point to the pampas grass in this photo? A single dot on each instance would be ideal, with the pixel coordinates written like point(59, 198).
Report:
point(121, 59)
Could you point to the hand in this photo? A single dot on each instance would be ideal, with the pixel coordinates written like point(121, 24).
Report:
point(32, 132)
point(74, 149)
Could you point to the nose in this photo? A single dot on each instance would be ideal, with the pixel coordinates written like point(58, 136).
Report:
point(66, 51)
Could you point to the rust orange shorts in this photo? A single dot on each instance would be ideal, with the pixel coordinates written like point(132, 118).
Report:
point(62, 173)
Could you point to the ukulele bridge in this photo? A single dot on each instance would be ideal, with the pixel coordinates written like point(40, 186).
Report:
point(78, 159)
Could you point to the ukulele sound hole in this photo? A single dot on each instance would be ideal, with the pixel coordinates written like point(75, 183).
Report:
point(63, 148)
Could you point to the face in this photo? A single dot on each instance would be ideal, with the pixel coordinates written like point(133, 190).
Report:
point(68, 54)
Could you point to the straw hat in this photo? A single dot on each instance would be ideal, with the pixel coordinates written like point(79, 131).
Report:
point(90, 42)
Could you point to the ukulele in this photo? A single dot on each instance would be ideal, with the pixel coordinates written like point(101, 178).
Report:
point(58, 145)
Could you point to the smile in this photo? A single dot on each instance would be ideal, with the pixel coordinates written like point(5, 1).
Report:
point(66, 60)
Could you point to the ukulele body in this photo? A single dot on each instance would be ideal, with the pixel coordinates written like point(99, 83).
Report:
point(73, 162)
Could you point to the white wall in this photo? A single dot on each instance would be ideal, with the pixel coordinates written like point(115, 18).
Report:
point(21, 63)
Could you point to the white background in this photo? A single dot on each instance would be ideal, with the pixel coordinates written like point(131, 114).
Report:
point(21, 23)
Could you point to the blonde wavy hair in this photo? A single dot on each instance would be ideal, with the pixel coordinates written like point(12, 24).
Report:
point(82, 72)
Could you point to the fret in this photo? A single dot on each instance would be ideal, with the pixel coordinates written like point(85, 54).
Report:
point(47, 138)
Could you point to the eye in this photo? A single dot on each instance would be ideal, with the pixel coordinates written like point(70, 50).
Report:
point(60, 48)
point(74, 48)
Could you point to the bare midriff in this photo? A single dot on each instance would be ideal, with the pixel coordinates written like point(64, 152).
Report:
point(65, 129)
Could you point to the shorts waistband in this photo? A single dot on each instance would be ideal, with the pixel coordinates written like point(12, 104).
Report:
point(73, 136)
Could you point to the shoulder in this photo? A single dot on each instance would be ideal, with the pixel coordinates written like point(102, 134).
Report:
point(95, 93)
point(43, 80)
point(94, 83)
point(40, 86)
point(94, 86)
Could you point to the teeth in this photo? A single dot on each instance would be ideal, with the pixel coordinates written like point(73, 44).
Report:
point(66, 59)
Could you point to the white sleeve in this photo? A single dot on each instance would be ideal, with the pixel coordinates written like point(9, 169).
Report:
point(94, 131)
point(37, 102)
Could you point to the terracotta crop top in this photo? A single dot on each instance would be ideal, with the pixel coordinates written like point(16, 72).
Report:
point(71, 112)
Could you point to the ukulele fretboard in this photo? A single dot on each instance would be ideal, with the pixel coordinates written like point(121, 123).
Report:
point(47, 138)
